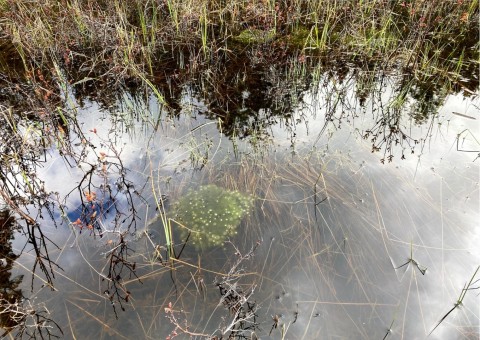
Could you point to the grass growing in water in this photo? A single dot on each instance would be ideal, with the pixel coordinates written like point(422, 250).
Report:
point(134, 41)
point(467, 287)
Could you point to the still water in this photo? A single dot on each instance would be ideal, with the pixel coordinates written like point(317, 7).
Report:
point(348, 243)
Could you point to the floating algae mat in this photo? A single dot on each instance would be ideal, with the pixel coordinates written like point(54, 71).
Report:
point(211, 214)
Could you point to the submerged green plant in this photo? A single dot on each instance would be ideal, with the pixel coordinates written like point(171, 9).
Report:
point(211, 214)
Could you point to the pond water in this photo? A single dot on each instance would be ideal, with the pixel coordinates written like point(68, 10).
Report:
point(347, 244)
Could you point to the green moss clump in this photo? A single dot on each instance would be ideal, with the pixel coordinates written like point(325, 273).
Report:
point(299, 37)
point(211, 214)
point(255, 36)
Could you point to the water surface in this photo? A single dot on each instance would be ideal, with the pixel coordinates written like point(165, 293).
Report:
point(351, 243)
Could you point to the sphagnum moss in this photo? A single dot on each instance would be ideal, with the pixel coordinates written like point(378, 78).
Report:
point(211, 214)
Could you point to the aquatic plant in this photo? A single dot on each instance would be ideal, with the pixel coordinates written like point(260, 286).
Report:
point(211, 214)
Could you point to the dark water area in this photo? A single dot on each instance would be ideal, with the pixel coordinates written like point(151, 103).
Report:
point(364, 221)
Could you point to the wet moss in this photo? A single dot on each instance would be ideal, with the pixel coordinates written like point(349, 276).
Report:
point(255, 36)
point(298, 38)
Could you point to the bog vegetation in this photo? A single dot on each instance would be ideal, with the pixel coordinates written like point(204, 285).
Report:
point(249, 62)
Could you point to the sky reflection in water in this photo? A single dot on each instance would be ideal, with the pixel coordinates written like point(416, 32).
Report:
point(334, 266)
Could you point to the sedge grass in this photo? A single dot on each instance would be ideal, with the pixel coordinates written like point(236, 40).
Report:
point(467, 287)
point(141, 31)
